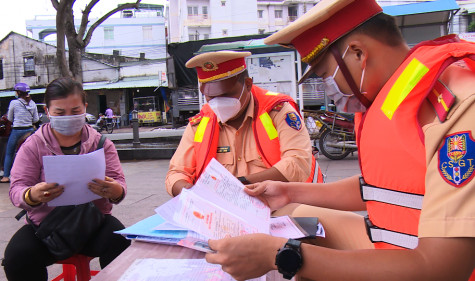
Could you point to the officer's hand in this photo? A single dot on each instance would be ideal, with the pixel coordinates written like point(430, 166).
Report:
point(179, 185)
point(245, 257)
point(273, 193)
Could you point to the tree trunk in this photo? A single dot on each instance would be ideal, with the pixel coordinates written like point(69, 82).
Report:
point(61, 44)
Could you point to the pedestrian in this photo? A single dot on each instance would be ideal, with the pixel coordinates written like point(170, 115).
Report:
point(26, 256)
point(23, 113)
point(254, 133)
point(416, 151)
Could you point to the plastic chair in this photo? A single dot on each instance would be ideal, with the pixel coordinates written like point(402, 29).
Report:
point(76, 266)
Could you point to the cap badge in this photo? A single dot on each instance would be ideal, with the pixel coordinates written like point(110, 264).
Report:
point(314, 53)
point(209, 66)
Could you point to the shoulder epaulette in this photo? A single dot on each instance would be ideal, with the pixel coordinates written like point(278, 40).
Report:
point(442, 99)
point(195, 119)
point(278, 107)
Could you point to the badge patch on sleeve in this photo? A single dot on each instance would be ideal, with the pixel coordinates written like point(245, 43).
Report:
point(293, 120)
point(457, 159)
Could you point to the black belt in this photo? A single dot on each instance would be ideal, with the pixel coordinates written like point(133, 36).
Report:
point(23, 128)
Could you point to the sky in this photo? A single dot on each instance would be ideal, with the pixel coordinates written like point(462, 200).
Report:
point(14, 13)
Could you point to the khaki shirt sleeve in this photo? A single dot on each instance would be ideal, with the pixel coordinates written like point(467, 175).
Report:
point(183, 162)
point(295, 147)
point(448, 210)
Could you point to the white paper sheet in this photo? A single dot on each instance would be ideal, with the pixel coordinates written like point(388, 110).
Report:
point(74, 172)
point(176, 269)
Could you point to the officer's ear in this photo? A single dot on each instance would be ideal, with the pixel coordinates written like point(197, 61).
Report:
point(248, 81)
point(358, 51)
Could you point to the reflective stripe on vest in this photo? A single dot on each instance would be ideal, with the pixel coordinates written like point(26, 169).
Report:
point(377, 235)
point(200, 131)
point(403, 199)
point(268, 125)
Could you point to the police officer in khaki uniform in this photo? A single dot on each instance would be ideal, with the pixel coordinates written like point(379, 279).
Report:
point(233, 99)
point(416, 149)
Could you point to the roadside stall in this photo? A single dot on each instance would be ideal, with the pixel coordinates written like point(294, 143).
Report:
point(148, 113)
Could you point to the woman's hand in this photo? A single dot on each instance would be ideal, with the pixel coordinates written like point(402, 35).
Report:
point(245, 257)
point(273, 193)
point(108, 188)
point(44, 192)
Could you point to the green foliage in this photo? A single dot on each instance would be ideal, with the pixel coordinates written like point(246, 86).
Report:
point(471, 27)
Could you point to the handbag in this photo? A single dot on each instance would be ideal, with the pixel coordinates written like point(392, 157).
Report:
point(67, 229)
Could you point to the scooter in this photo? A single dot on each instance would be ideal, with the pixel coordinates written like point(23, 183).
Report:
point(336, 133)
point(104, 124)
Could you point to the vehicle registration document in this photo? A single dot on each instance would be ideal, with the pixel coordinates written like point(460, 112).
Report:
point(74, 172)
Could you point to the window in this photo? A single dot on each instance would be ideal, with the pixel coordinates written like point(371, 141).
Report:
point(260, 13)
point(261, 31)
point(223, 3)
point(192, 11)
point(147, 32)
point(278, 14)
point(225, 32)
point(1, 69)
point(29, 65)
point(109, 33)
point(194, 37)
point(205, 11)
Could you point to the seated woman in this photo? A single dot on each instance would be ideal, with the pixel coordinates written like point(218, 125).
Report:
point(26, 257)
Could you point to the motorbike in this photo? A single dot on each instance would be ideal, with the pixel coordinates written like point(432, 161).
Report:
point(335, 132)
point(104, 123)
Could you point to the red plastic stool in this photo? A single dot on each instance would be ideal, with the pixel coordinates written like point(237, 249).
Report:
point(77, 265)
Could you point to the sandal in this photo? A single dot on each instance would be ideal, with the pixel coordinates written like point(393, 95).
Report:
point(5, 180)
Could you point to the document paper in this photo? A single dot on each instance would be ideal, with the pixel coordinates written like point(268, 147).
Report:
point(74, 172)
point(176, 269)
point(218, 206)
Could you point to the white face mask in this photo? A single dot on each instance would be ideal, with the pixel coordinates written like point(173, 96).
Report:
point(344, 103)
point(67, 125)
point(226, 108)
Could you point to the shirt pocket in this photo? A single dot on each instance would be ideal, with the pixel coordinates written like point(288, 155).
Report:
point(226, 159)
point(253, 158)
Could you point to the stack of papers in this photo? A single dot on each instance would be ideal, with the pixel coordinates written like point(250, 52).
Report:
point(215, 207)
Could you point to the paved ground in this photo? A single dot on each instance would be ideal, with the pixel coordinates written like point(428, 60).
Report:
point(145, 180)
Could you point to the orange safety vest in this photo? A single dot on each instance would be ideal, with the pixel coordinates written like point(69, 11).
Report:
point(265, 134)
point(391, 142)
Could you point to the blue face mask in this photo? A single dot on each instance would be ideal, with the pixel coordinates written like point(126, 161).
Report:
point(67, 125)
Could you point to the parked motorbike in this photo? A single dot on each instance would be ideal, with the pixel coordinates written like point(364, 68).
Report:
point(104, 123)
point(336, 133)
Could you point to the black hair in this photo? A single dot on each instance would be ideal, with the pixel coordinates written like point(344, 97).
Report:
point(63, 87)
point(383, 28)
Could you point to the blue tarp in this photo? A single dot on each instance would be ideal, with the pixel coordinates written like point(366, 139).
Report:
point(421, 8)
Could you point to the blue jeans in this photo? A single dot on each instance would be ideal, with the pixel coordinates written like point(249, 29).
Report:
point(15, 135)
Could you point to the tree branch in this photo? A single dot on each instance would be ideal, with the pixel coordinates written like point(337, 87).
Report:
point(85, 19)
point(110, 13)
point(55, 4)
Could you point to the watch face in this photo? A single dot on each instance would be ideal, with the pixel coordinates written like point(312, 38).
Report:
point(289, 260)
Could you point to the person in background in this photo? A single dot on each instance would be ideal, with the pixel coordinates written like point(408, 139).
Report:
point(23, 113)
point(416, 149)
point(254, 133)
point(109, 113)
point(26, 257)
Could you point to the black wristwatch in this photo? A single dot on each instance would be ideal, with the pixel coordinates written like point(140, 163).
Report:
point(289, 259)
point(243, 180)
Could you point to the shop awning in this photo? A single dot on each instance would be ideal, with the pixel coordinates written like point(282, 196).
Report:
point(136, 82)
point(428, 12)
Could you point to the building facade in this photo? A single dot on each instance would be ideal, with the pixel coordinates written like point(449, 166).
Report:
point(137, 33)
point(191, 20)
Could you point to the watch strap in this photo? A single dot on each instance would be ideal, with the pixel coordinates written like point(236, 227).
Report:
point(243, 180)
